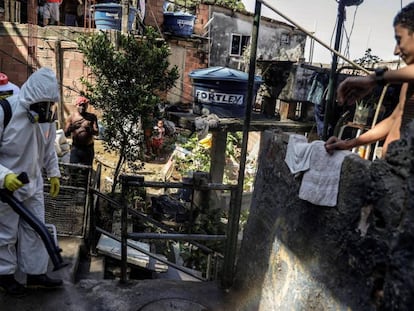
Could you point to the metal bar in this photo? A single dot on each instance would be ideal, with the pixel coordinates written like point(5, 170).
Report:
point(124, 234)
point(234, 213)
point(168, 229)
point(181, 268)
point(105, 197)
point(231, 245)
point(149, 219)
point(333, 76)
point(314, 37)
point(175, 236)
point(160, 184)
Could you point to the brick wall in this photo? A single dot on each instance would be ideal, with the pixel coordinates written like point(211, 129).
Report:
point(203, 14)
point(50, 42)
point(46, 44)
point(154, 13)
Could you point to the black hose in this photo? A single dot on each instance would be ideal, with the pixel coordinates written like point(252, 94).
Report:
point(51, 247)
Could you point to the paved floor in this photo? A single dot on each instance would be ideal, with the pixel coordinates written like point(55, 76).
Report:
point(110, 295)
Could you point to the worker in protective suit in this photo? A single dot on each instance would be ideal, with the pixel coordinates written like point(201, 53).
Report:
point(27, 145)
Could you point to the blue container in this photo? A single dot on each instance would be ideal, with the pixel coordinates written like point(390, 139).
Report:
point(109, 16)
point(222, 91)
point(179, 23)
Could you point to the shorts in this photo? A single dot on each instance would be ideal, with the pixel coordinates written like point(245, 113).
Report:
point(51, 11)
point(157, 142)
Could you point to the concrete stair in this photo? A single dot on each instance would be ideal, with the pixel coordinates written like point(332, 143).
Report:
point(80, 264)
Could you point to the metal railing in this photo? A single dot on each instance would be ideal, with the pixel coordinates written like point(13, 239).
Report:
point(128, 181)
point(213, 257)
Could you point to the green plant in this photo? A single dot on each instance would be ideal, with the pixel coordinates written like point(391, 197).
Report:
point(190, 4)
point(127, 79)
point(368, 60)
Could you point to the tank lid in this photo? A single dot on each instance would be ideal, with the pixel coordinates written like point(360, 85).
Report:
point(222, 73)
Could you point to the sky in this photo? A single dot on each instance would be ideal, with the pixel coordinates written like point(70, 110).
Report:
point(370, 28)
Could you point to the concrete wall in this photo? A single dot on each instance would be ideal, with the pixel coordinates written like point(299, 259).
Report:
point(270, 43)
point(358, 255)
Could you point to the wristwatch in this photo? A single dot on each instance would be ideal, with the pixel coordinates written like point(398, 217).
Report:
point(379, 76)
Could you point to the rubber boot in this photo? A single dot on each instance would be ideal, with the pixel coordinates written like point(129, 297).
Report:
point(9, 285)
point(42, 281)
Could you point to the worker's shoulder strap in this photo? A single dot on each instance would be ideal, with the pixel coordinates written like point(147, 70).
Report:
point(7, 112)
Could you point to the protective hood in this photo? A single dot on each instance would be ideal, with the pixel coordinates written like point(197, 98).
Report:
point(42, 86)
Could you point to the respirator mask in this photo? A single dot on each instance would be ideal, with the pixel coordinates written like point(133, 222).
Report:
point(42, 112)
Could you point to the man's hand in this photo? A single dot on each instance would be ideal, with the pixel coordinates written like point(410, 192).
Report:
point(12, 183)
point(334, 143)
point(355, 88)
point(54, 186)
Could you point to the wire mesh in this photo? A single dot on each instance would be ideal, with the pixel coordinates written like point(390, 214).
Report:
point(69, 210)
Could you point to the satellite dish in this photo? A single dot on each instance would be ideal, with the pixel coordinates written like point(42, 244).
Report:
point(352, 2)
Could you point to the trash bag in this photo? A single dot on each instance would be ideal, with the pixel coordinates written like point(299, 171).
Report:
point(165, 207)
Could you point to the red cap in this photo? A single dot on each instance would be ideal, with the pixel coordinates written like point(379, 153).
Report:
point(3, 79)
point(81, 100)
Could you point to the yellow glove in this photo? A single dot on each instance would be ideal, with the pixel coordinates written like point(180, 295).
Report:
point(11, 182)
point(54, 186)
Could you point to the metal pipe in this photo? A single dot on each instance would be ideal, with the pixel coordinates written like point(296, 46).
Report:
point(235, 206)
point(124, 233)
point(175, 236)
point(333, 76)
point(178, 267)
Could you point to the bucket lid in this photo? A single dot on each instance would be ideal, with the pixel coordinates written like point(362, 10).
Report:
point(179, 13)
point(222, 73)
point(110, 5)
point(3, 79)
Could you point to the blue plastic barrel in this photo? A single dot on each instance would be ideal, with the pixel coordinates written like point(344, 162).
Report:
point(222, 91)
point(179, 23)
point(109, 16)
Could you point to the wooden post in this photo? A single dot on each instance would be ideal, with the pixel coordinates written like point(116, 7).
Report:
point(7, 10)
point(59, 76)
point(218, 156)
point(125, 14)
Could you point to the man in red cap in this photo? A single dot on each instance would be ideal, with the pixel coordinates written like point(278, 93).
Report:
point(6, 87)
point(82, 125)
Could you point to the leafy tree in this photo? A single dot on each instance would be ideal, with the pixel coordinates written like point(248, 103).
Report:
point(127, 80)
point(368, 60)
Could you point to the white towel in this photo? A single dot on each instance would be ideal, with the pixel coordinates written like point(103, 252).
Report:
point(298, 153)
point(322, 171)
point(320, 183)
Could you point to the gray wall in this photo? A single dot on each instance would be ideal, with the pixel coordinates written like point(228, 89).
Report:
point(358, 255)
point(269, 44)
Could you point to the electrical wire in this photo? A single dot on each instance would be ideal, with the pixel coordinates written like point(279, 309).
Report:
point(348, 37)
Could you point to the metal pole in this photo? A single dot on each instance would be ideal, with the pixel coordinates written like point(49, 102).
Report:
point(124, 233)
point(333, 77)
point(234, 213)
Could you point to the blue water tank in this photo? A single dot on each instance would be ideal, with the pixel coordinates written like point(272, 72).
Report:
point(222, 91)
point(179, 23)
point(109, 16)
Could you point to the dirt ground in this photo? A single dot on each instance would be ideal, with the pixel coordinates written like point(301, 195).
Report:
point(108, 160)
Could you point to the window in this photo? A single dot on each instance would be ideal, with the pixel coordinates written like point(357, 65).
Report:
point(238, 44)
point(284, 39)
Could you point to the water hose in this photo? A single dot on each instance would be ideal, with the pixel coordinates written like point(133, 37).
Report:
point(51, 247)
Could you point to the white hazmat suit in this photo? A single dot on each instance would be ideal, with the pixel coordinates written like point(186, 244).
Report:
point(27, 146)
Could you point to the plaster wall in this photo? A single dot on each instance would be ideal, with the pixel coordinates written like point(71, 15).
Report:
point(272, 44)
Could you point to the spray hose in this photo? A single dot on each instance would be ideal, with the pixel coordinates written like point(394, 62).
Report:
point(51, 247)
